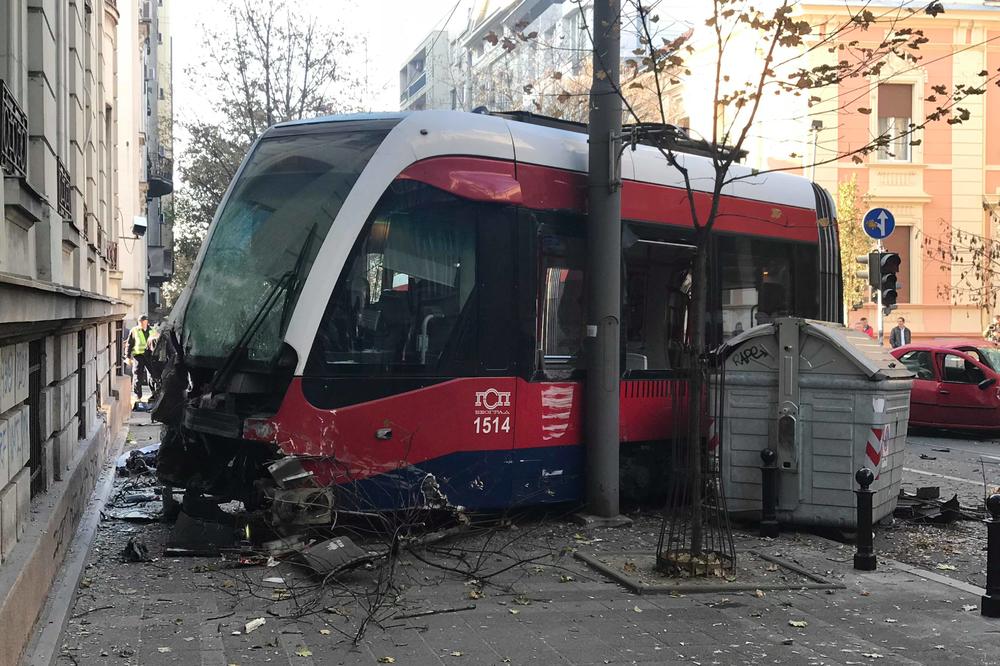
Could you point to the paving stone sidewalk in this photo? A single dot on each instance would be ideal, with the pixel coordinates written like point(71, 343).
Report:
point(548, 608)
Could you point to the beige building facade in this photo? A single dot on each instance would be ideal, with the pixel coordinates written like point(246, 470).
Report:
point(71, 154)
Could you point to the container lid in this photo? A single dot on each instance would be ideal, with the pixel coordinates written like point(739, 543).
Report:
point(824, 347)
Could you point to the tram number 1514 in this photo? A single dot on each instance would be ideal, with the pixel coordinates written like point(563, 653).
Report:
point(491, 424)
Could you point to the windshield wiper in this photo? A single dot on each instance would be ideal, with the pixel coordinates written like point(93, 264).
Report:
point(295, 280)
point(289, 282)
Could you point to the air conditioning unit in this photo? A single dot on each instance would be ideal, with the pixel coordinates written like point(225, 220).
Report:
point(146, 13)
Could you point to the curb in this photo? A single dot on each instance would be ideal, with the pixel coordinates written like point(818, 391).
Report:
point(54, 615)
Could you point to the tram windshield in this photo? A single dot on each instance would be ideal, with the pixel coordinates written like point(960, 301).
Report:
point(267, 238)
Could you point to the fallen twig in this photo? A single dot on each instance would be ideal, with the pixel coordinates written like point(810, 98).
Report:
point(440, 611)
point(220, 617)
point(90, 610)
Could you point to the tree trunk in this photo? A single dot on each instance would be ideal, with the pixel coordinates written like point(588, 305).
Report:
point(696, 413)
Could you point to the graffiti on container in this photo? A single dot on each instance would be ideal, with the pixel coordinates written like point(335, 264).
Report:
point(754, 353)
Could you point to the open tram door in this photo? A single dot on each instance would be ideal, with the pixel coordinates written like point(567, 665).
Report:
point(548, 447)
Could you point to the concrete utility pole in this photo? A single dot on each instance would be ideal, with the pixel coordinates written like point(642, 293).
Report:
point(604, 247)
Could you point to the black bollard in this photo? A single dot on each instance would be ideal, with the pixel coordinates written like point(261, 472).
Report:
point(991, 600)
point(864, 558)
point(769, 494)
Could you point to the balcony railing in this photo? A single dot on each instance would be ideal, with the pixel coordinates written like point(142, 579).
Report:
point(112, 253)
point(160, 176)
point(414, 87)
point(13, 134)
point(63, 192)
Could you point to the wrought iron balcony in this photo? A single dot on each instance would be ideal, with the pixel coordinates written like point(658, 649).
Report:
point(13, 134)
point(63, 192)
point(160, 176)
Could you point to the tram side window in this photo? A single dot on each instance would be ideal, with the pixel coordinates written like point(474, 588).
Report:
point(407, 288)
point(763, 279)
point(561, 300)
point(657, 285)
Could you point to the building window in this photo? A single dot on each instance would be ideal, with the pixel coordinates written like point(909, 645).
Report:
point(895, 105)
point(36, 461)
point(81, 375)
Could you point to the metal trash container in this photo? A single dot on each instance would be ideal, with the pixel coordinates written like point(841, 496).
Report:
point(829, 401)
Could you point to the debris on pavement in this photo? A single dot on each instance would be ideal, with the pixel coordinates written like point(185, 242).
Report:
point(136, 501)
point(256, 623)
point(136, 551)
point(929, 492)
point(138, 461)
point(200, 536)
point(334, 555)
point(926, 507)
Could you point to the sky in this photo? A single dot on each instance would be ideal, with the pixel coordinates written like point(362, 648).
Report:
point(390, 29)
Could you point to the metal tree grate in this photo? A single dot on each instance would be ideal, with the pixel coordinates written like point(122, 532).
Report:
point(696, 537)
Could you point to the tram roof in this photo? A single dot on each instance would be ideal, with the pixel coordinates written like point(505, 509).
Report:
point(478, 134)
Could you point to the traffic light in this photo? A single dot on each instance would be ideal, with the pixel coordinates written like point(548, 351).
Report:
point(870, 272)
point(866, 272)
point(888, 266)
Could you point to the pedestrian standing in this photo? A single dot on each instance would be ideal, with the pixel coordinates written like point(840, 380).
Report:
point(866, 328)
point(992, 332)
point(900, 335)
point(138, 341)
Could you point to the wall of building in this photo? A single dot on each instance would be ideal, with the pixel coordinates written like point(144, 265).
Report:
point(425, 79)
point(938, 189)
point(132, 262)
point(155, 19)
point(505, 58)
point(65, 174)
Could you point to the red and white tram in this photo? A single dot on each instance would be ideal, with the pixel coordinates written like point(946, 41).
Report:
point(397, 299)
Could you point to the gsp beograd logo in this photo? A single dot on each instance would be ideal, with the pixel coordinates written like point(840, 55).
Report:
point(492, 400)
point(492, 412)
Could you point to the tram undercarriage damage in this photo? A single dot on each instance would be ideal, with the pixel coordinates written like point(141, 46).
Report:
point(282, 489)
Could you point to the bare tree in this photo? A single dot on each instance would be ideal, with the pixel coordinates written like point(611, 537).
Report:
point(862, 44)
point(788, 60)
point(273, 63)
point(971, 261)
point(268, 63)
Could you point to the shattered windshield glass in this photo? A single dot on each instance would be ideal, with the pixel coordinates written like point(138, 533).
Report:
point(282, 206)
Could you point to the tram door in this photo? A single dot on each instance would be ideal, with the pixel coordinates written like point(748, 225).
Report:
point(548, 456)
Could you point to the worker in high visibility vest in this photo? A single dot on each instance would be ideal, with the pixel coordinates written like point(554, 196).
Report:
point(138, 340)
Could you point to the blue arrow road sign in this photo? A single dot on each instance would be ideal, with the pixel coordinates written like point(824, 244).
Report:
point(878, 223)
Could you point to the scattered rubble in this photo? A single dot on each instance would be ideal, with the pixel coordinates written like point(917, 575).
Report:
point(925, 507)
point(136, 551)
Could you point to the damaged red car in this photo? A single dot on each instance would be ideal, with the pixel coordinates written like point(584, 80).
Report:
point(955, 384)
